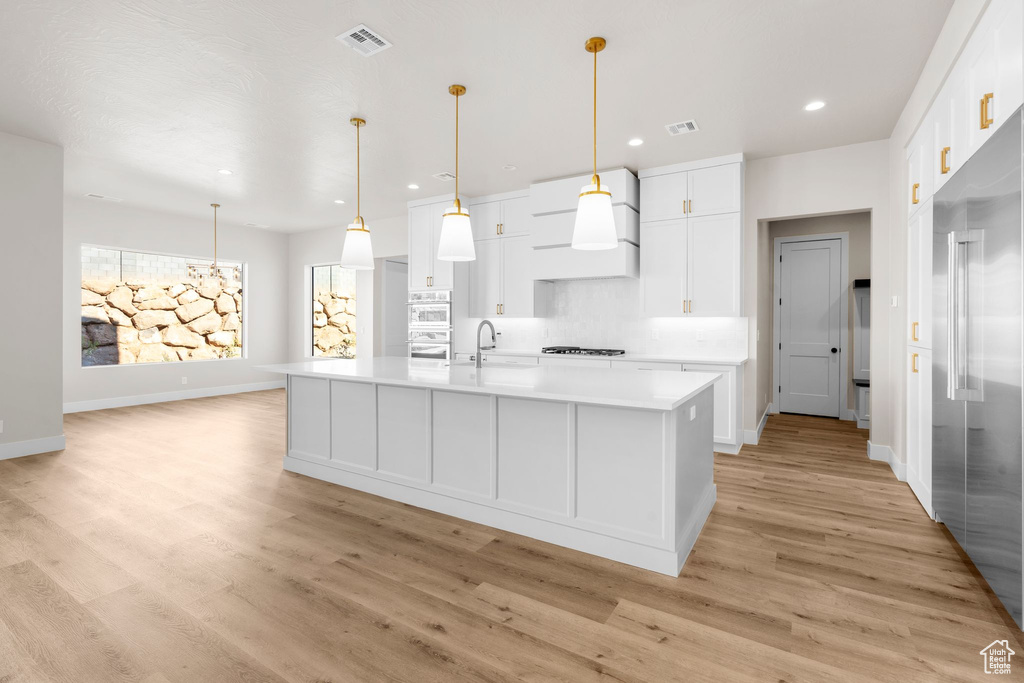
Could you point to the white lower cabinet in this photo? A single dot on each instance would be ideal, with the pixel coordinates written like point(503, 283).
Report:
point(727, 398)
point(919, 425)
point(575, 361)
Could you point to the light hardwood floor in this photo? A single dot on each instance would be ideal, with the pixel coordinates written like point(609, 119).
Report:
point(166, 544)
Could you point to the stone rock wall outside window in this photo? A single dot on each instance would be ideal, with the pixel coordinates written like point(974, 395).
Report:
point(334, 312)
point(130, 315)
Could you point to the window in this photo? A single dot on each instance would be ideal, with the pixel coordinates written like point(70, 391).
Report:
point(334, 312)
point(145, 308)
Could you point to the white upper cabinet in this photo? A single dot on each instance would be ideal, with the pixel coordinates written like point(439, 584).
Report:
point(420, 245)
point(919, 166)
point(714, 190)
point(501, 281)
point(497, 217)
point(691, 260)
point(668, 195)
point(663, 259)
point(663, 197)
point(515, 216)
point(949, 140)
point(715, 261)
point(486, 220)
point(485, 279)
point(993, 64)
point(425, 270)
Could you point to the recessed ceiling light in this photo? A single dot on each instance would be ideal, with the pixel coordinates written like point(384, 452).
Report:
point(413, 186)
point(636, 142)
point(225, 171)
point(508, 167)
point(339, 201)
point(814, 106)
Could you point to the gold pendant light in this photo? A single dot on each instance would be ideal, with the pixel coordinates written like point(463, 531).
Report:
point(595, 222)
point(456, 241)
point(357, 251)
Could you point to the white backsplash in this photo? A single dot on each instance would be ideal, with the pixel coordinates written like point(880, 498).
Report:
point(606, 314)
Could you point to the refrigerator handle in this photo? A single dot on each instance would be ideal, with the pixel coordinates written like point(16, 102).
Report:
point(952, 316)
point(958, 311)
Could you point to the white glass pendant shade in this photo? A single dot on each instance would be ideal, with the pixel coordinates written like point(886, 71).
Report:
point(456, 242)
point(595, 223)
point(357, 252)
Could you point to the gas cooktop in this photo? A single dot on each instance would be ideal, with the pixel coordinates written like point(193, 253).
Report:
point(577, 351)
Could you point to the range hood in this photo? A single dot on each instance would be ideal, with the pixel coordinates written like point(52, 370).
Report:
point(553, 207)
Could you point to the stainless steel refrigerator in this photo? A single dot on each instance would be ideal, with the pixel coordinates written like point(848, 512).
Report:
point(977, 361)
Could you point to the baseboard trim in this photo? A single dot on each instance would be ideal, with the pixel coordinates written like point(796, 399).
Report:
point(19, 449)
point(752, 436)
point(851, 416)
point(143, 399)
point(885, 454)
point(923, 493)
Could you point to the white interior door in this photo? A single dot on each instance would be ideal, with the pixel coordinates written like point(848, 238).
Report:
point(396, 309)
point(810, 327)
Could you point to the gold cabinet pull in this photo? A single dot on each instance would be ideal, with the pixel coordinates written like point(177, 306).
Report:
point(913, 331)
point(689, 306)
point(913, 362)
point(497, 228)
point(503, 309)
point(944, 161)
point(913, 193)
point(986, 120)
point(497, 309)
point(502, 230)
point(684, 207)
point(689, 206)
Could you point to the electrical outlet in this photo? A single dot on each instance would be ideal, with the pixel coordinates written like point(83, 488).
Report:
point(655, 335)
point(895, 301)
point(184, 380)
point(1, 426)
point(693, 412)
point(700, 335)
point(759, 335)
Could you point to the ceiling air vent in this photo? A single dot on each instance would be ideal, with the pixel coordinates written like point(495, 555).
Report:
point(256, 225)
point(93, 195)
point(364, 40)
point(445, 176)
point(682, 128)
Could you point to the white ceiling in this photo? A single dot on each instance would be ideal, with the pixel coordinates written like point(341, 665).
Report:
point(151, 97)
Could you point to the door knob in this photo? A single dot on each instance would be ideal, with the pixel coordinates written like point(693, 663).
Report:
point(835, 350)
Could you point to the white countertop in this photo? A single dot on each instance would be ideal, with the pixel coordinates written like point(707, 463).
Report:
point(652, 390)
point(636, 357)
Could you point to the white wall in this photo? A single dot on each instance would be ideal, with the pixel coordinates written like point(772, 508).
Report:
point(318, 247)
point(88, 221)
point(836, 180)
point(605, 313)
point(960, 23)
point(31, 197)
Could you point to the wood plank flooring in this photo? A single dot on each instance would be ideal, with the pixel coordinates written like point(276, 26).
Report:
point(166, 544)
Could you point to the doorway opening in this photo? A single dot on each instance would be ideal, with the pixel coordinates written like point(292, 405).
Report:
point(394, 314)
point(820, 315)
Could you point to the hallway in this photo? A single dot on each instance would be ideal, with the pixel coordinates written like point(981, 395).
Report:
point(194, 557)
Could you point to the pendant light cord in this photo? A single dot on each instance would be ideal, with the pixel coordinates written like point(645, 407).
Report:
point(595, 121)
point(457, 150)
point(215, 237)
point(359, 189)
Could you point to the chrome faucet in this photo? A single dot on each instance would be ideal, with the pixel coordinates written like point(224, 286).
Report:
point(494, 341)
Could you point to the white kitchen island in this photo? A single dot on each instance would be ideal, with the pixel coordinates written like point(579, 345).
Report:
point(609, 463)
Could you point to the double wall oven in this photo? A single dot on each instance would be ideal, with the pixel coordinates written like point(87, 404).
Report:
point(430, 325)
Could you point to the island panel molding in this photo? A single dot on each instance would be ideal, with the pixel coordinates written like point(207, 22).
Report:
point(627, 483)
